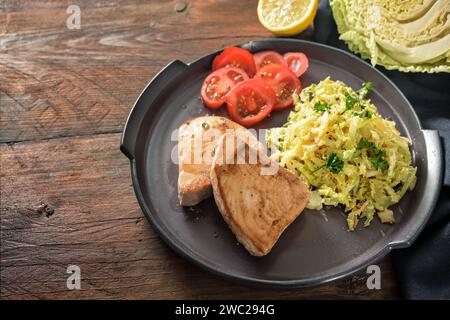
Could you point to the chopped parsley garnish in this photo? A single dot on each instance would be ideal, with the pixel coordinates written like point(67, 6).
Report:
point(377, 156)
point(378, 160)
point(334, 163)
point(321, 106)
point(366, 113)
point(364, 91)
point(365, 144)
point(363, 114)
point(349, 102)
point(205, 125)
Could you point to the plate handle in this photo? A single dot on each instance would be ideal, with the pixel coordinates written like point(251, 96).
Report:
point(151, 91)
point(432, 186)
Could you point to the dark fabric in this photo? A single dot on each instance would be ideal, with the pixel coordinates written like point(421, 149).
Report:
point(423, 269)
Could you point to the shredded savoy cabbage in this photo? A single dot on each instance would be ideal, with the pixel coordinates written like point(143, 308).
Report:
point(350, 155)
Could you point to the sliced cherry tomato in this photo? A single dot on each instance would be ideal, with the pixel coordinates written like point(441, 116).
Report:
point(250, 101)
point(297, 62)
point(217, 85)
point(235, 57)
point(264, 58)
point(283, 81)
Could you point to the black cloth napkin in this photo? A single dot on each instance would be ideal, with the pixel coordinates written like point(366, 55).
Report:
point(423, 269)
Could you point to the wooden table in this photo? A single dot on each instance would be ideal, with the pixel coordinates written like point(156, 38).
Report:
point(66, 193)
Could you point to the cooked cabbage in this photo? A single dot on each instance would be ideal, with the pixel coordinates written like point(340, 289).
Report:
point(408, 35)
point(350, 155)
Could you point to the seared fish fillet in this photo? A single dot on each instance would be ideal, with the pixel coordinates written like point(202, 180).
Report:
point(196, 141)
point(257, 208)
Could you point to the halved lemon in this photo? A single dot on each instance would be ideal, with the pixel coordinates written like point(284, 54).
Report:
point(286, 17)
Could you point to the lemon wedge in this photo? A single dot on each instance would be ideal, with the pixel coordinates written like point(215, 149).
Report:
point(286, 17)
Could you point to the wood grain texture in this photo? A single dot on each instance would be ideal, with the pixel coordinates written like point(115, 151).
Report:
point(66, 194)
point(69, 201)
point(58, 82)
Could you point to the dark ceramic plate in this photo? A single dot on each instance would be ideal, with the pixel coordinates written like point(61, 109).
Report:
point(317, 247)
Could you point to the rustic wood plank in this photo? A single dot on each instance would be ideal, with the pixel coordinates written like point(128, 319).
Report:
point(56, 82)
point(145, 279)
point(76, 177)
point(70, 201)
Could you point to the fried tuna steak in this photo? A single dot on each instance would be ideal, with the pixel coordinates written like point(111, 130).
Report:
point(257, 206)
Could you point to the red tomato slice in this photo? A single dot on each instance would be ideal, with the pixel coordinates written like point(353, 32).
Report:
point(297, 62)
point(264, 58)
point(283, 81)
point(235, 57)
point(217, 85)
point(250, 101)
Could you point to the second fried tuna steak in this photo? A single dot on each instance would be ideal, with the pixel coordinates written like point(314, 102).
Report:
point(196, 139)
